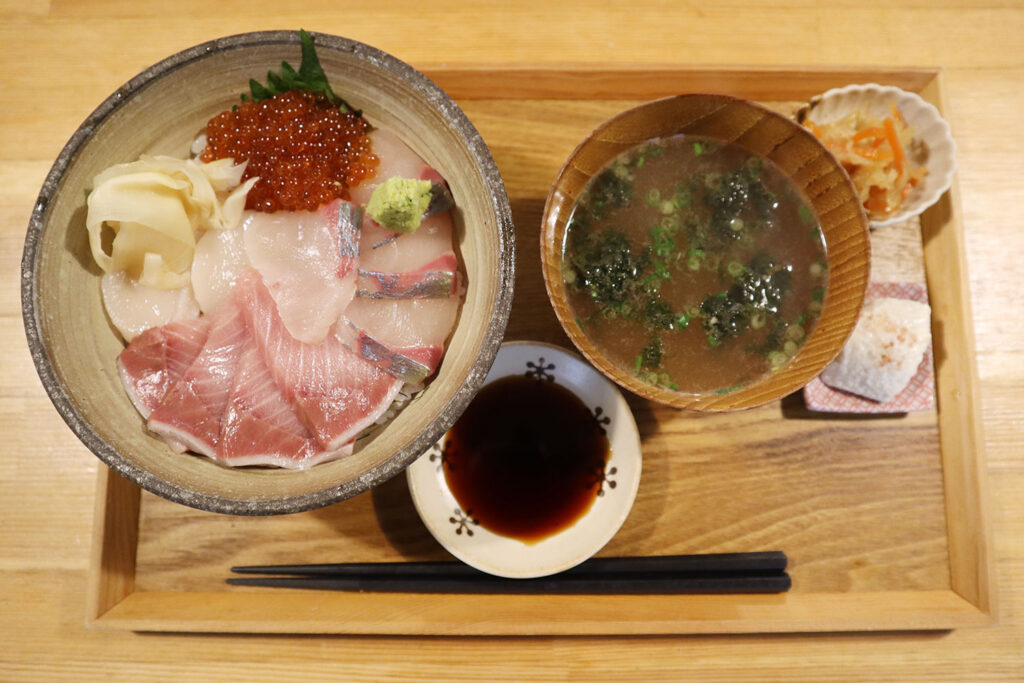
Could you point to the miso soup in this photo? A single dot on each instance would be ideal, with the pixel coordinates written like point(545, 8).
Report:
point(693, 265)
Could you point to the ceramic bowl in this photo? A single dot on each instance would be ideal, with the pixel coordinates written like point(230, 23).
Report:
point(933, 146)
point(462, 535)
point(760, 132)
point(161, 111)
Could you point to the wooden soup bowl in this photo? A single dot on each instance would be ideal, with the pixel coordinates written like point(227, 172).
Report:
point(761, 132)
point(161, 111)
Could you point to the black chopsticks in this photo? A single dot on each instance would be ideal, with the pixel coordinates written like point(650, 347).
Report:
point(755, 572)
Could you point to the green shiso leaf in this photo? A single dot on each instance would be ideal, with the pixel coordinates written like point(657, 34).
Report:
point(310, 76)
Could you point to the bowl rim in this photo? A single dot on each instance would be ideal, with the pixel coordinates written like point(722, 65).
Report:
point(551, 555)
point(716, 401)
point(398, 461)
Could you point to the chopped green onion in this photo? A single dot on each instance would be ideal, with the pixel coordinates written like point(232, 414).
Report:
point(806, 215)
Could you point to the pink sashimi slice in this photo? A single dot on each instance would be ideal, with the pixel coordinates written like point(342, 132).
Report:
point(154, 360)
point(336, 393)
point(308, 261)
point(192, 410)
point(260, 426)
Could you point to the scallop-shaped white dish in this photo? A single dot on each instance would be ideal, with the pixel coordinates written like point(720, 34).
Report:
point(933, 147)
point(462, 535)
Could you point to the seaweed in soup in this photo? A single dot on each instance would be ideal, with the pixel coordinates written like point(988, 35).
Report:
point(683, 230)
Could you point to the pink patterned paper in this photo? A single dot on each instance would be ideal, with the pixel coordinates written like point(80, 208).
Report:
point(919, 393)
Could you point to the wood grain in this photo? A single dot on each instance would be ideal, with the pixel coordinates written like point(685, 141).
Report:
point(47, 479)
point(828, 491)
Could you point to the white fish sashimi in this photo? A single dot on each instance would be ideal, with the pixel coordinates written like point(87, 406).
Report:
point(308, 262)
point(396, 160)
point(405, 337)
point(380, 250)
point(405, 323)
point(220, 256)
point(134, 308)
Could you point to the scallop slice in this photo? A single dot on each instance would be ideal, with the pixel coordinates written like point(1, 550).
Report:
point(133, 308)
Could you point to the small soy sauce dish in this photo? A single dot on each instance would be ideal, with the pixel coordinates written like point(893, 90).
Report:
point(539, 473)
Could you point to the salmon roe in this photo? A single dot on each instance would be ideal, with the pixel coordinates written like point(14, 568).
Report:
point(305, 151)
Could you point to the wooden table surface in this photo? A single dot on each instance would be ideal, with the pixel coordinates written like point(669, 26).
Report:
point(61, 58)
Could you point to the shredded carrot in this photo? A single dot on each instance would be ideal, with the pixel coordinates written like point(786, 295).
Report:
point(876, 201)
point(868, 133)
point(872, 151)
point(894, 142)
point(896, 114)
point(868, 152)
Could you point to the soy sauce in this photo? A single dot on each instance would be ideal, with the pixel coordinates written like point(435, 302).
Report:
point(526, 459)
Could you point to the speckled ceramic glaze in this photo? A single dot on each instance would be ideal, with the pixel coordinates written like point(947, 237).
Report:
point(160, 111)
point(760, 132)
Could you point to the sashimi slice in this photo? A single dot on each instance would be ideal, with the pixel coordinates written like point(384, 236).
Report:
point(421, 264)
point(220, 256)
point(406, 338)
point(192, 409)
point(336, 393)
point(134, 308)
point(435, 280)
point(157, 358)
point(411, 365)
point(406, 252)
point(396, 160)
point(260, 426)
point(308, 262)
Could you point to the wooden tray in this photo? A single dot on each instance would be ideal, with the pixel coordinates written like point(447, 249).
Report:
point(883, 517)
